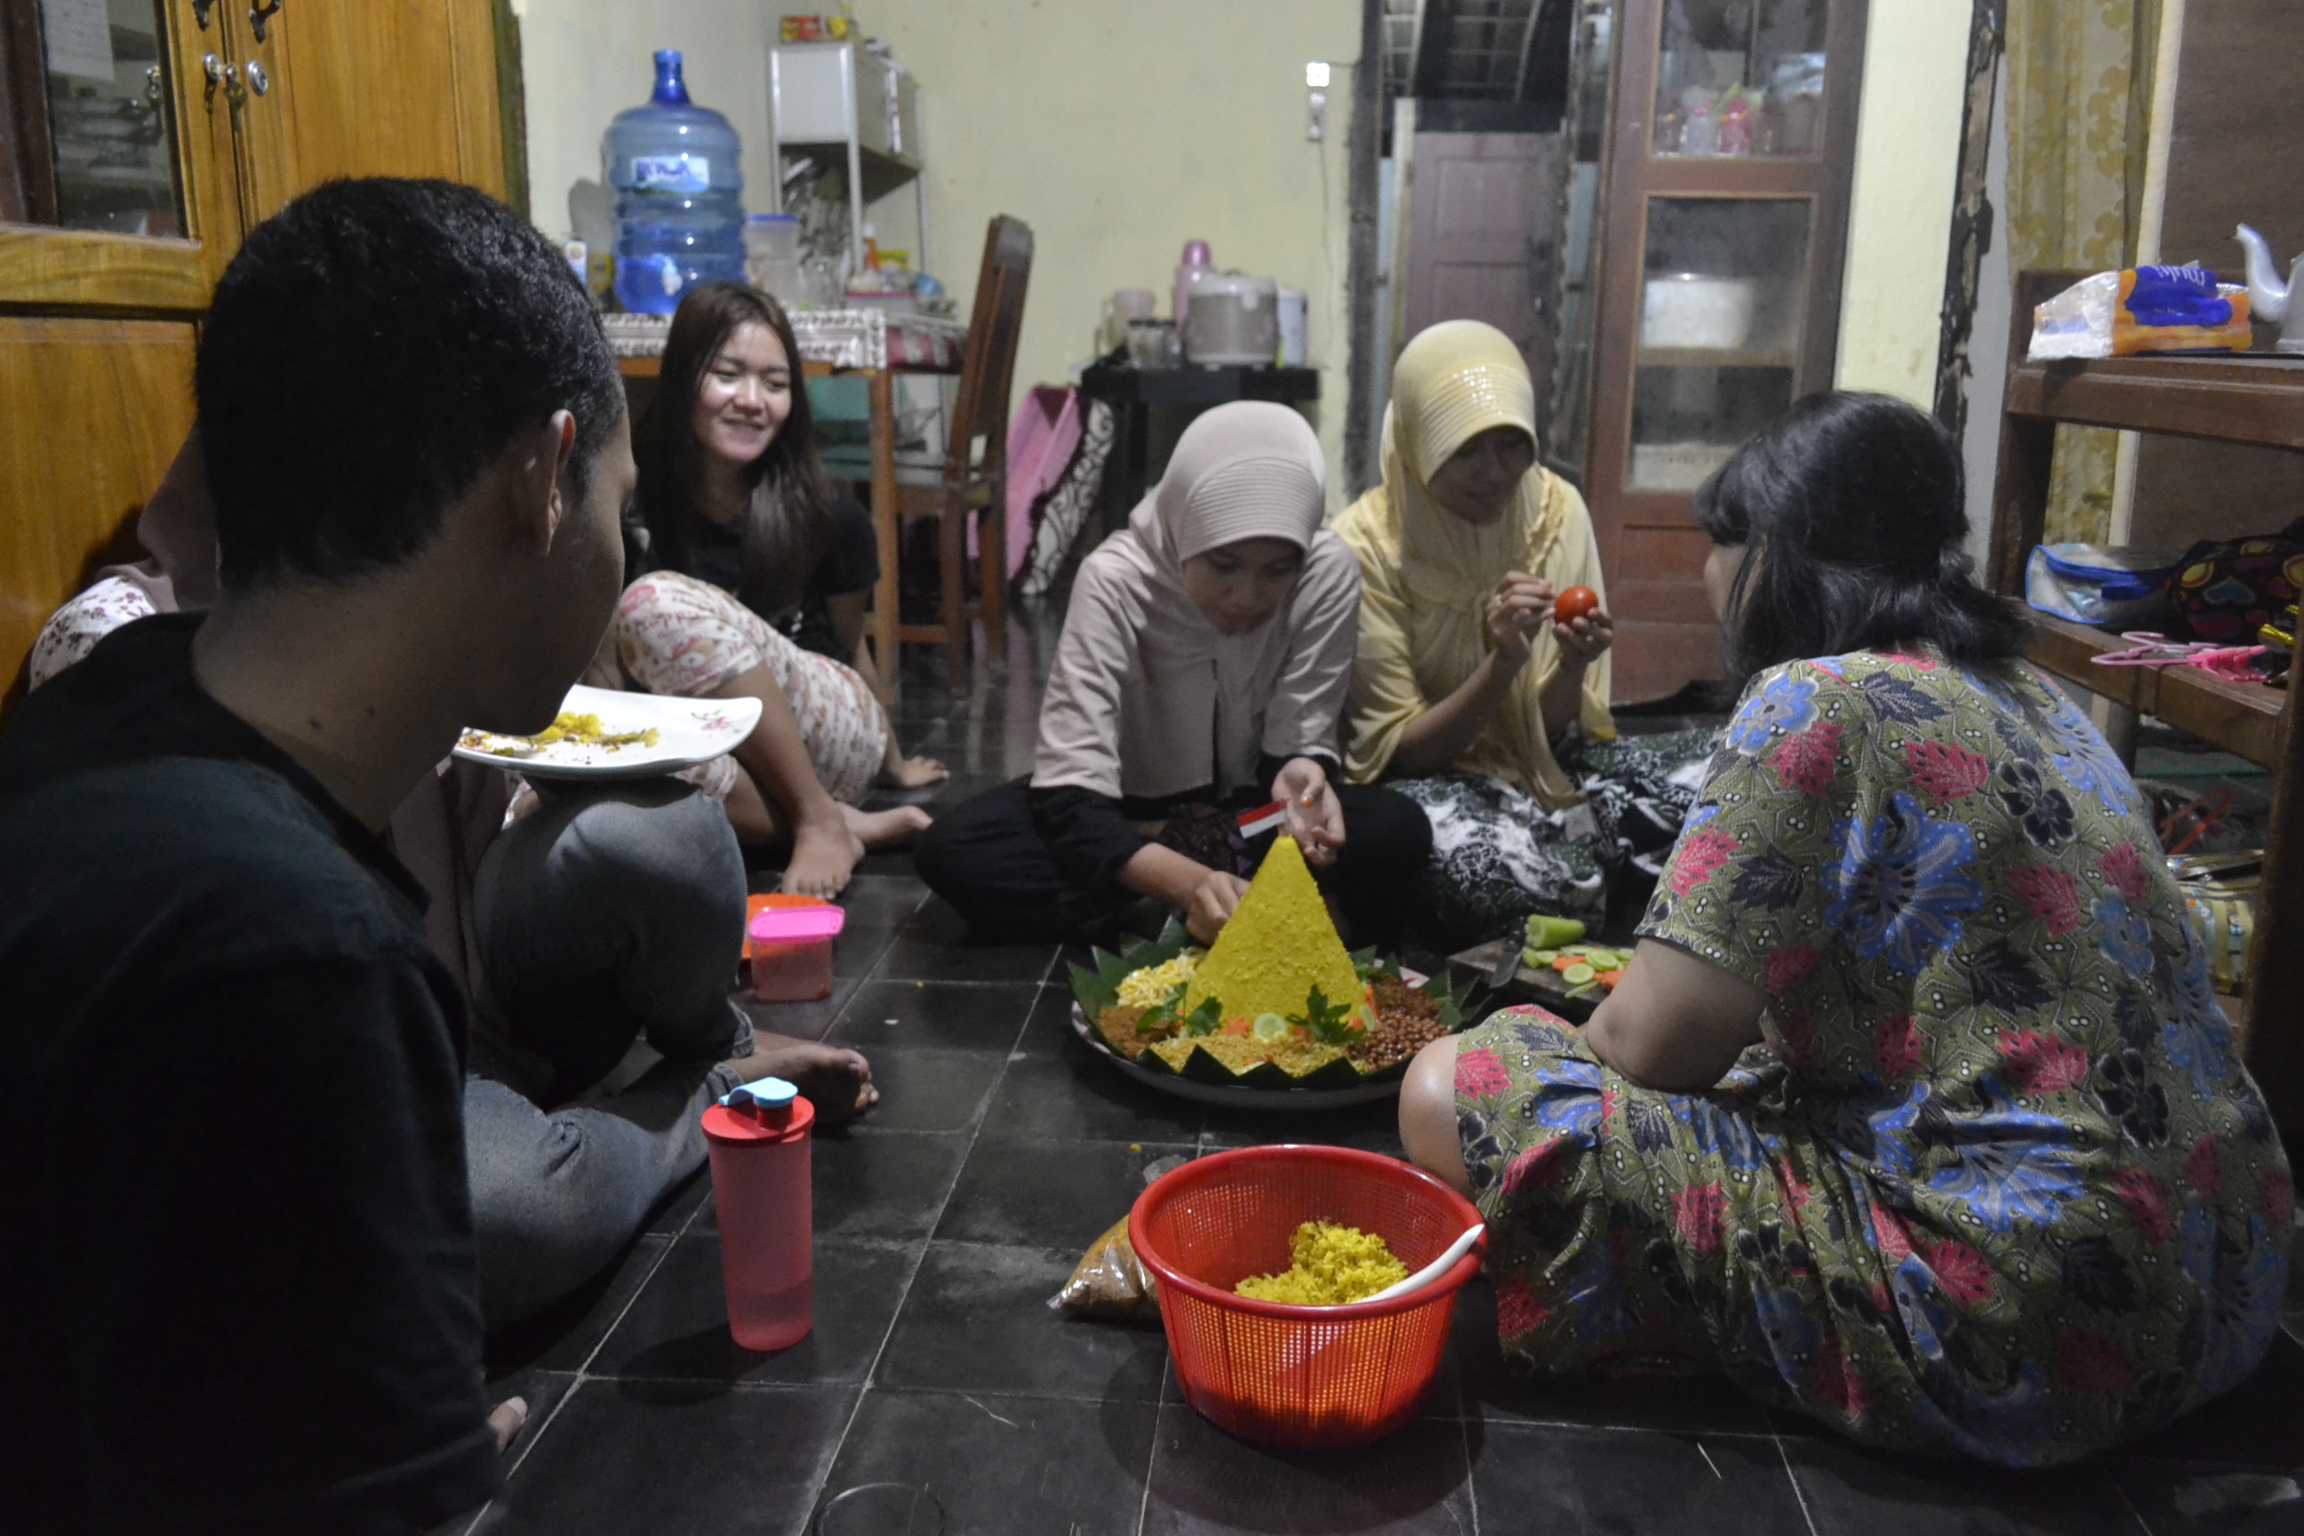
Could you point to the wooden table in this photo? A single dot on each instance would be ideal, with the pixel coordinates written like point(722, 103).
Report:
point(831, 346)
point(1132, 392)
point(2240, 398)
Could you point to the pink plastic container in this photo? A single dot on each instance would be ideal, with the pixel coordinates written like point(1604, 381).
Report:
point(791, 950)
point(760, 1167)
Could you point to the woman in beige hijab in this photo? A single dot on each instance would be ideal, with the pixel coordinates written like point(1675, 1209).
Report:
point(1203, 664)
point(1469, 694)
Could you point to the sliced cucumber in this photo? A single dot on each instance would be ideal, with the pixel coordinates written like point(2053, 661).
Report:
point(1552, 932)
point(1269, 1029)
point(1537, 959)
point(1578, 974)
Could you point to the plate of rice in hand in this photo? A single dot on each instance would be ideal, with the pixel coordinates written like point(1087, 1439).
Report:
point(1276, 1014)
point(601, 733)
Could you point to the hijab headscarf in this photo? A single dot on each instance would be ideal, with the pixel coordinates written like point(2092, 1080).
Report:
point(1427, 574)
point(1146, 697)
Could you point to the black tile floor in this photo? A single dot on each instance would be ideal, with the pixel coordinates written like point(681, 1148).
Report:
point(1002, 1146)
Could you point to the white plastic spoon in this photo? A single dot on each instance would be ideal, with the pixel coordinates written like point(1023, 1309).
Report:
point(1436, 1268)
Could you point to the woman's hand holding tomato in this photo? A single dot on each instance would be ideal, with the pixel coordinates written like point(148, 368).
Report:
point(1581, 625)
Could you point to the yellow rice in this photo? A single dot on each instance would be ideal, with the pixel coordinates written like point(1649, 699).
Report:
point(1149, 987)
point(1334, 1266)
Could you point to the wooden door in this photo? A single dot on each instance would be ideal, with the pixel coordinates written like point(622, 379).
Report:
point(1719, 291)
point(371, 88)
point(120, 391)
point(2224, 169)
point(1483, 216)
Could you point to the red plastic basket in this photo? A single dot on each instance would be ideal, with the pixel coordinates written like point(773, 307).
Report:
point(1290, 1375)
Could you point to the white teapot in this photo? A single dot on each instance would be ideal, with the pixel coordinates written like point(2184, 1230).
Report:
point(2268, 298)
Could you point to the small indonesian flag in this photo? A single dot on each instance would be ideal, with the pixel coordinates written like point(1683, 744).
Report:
point(1263, 819)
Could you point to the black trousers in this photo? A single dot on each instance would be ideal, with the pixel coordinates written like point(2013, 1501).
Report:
point(988, 860)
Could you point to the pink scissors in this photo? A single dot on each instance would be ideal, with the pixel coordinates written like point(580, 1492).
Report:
point(2151, 649)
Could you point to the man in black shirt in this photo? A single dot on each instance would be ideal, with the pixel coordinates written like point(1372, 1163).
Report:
point(236, 1275)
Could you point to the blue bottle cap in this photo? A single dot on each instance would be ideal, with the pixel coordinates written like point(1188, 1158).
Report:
point(763, 1093)
point(671, 89)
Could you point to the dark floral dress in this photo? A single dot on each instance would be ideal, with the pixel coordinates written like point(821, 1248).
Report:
point(1996, 1183)
point(1497, 855)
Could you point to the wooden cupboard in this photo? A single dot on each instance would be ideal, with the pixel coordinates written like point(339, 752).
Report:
point(1711, 147)
point(123, 196)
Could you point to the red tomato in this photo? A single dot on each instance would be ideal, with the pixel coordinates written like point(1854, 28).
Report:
point(1574, 604)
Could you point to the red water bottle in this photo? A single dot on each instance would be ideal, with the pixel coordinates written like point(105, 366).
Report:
point(759, 1141)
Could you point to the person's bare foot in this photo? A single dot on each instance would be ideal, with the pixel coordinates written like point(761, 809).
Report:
point(886, 829)
point(914, 773)
point(836, 1080)
point(506, 1421)
point(824, 854)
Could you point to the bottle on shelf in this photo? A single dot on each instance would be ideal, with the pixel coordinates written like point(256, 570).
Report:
point(1195, 261)
point(673, 169)
point(1735, 122)
point(1701, 136)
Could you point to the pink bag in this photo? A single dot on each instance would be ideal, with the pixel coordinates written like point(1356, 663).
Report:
point(1041, 438)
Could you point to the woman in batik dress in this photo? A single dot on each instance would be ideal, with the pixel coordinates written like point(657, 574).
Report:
point(1915, 1110)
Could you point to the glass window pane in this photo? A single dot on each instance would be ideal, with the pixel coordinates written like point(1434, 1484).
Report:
point(1719, 337)
point(1740, 77)
point(111, 152)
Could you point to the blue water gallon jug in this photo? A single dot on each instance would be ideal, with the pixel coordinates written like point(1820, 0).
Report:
point(679, 196)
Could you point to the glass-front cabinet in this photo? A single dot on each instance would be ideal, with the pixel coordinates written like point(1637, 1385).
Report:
point(1721, 217)
point(111, 153)
point(139, 141)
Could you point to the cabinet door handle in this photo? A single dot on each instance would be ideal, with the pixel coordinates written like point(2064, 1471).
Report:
point(227, 76)
point(258, 81)
point(258, 14)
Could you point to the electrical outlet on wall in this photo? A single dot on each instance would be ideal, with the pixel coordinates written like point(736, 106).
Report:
point(1316, 101)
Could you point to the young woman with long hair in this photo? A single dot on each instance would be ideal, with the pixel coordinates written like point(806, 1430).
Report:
point(756, 576)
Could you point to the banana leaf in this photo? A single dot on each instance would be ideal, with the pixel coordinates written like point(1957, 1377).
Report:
point(1096, 988)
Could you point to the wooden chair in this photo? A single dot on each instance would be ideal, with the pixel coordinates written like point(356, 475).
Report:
point(975, 477)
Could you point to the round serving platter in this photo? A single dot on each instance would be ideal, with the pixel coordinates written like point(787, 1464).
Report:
point(1239, 1095)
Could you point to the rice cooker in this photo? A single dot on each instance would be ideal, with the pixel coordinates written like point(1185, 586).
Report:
point(1235, 321)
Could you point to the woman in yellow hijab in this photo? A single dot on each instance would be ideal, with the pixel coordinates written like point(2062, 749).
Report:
point(1468, 693)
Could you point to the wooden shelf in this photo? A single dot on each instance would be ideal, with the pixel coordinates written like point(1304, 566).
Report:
point(1712, 357)
point(2243, 397)
point(883, 173)
point(2244, 719)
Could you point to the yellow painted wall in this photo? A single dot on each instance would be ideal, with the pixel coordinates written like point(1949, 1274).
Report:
point(1900, 214)
point(1117, 129)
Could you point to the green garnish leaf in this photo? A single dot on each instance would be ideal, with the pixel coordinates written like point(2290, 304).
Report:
point(1328, 1022)
point(1205, 1019)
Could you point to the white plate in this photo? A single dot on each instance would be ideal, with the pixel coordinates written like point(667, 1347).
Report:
point(689, 731)
point(1232, 1093)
